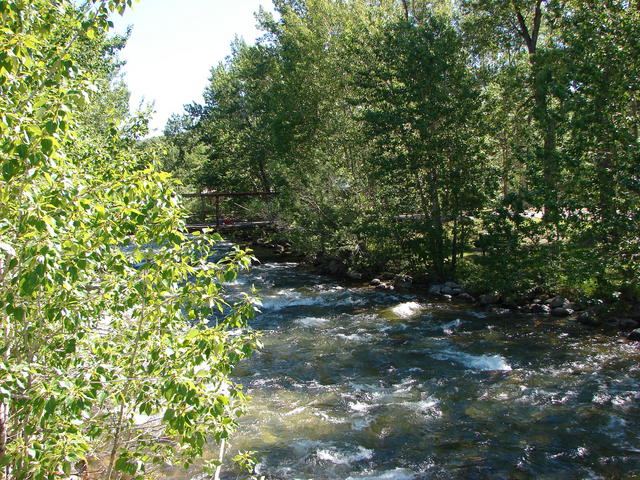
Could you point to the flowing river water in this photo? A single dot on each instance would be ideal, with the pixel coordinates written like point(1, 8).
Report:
point(356, 383)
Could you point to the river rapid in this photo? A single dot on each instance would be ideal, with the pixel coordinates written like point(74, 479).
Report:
point(356, 383)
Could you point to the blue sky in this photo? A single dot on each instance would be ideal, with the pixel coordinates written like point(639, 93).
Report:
point(175, 43)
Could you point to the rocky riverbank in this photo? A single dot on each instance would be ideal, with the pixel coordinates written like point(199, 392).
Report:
point(591, 313)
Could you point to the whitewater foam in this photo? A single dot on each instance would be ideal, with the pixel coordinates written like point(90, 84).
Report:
point(312, 321)
point(396, 474)
point(475, 362)
point(449, 327)
point(407, 309)
point(344, 457)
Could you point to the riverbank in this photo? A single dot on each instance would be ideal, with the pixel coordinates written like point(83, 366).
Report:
point(615, 318)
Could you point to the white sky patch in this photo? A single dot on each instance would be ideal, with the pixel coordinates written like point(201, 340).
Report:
point(174, 45)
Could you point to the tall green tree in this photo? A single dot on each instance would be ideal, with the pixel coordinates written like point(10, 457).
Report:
point(421, 107)
point(115, 332)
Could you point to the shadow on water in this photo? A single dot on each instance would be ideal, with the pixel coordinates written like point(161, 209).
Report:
point(362, 384)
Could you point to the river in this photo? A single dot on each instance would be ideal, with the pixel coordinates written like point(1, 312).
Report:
point(356, 383)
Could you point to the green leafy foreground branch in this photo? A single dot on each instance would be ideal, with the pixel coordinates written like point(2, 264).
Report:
point(117, 343)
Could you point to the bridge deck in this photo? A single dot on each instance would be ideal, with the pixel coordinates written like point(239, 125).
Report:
point(229, 226)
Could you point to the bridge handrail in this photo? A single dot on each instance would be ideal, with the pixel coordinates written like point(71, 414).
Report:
point(218, 195)
point(227, 194)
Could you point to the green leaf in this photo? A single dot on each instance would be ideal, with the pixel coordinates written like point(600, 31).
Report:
point(48, 144)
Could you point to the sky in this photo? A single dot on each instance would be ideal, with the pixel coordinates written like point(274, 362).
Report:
point(175, 43)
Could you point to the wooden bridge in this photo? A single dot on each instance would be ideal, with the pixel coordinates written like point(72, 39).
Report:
point(225, 210)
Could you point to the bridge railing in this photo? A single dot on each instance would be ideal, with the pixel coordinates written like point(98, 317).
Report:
point(227, 209)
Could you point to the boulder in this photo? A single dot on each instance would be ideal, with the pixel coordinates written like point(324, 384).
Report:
point(353, 275)
point(588, 318)
point(456, 291)
point(447, 298)
point(561, 312)
point(435, 289)
point(402, 281)
point(559, 302)
point(465, 297)
point(447, 290)
point(539, 309)
point(489, 299)
point(451, 285)
point(375, 282)
point(634, 336)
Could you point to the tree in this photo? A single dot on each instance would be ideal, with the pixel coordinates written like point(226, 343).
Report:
point(115, 331)
point(420, 106)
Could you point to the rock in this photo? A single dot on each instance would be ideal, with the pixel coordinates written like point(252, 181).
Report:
point(634, 336)
point(435, 289)
point(375, 282)
point(451, 285)
point(539, 309)
point(279, 249)
point(447, 290)
point(456, 291)
point(500, 310)
point(588, 318)
point(559, 302)
point(447, 298)
point(489, 299)
point(465, 297)
point(635, 311)
point(628, 323)
point(561, 312)
point(402, 281)
point(353, 275)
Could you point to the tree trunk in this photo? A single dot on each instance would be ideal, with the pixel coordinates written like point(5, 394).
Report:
point(541, 77)
point(405, 6)
point(262, 171)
